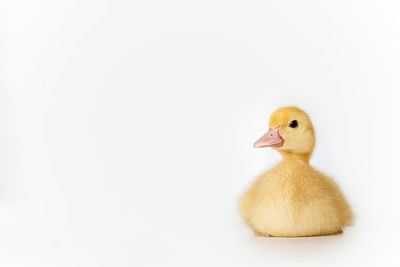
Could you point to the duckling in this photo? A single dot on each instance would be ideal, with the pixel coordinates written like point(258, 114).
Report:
point(293, 199)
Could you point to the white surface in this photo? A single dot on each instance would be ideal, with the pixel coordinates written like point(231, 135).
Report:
point(127, 128)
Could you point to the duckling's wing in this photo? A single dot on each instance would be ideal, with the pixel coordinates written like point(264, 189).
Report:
point(339, 199)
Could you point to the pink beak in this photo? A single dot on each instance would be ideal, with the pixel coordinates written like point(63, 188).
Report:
point(271, 138)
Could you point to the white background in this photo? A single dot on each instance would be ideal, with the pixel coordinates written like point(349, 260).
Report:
point(127, 128)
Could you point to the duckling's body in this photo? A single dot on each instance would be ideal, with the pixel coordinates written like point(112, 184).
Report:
point(294, 199)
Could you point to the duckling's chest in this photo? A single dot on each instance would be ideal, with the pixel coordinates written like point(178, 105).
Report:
point(288, 182)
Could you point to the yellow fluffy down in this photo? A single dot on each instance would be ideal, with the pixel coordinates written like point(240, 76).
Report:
point(294, 199)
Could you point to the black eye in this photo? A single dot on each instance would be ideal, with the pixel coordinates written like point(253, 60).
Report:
point(293, 124)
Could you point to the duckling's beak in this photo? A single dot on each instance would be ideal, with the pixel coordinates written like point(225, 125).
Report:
point(271, 138)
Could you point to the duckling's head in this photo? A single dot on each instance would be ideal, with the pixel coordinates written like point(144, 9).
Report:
point(290, 131)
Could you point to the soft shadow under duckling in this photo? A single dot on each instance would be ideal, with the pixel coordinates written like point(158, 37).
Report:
point(293, 199)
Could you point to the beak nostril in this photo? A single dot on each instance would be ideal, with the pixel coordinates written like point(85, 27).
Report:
point(270, 139)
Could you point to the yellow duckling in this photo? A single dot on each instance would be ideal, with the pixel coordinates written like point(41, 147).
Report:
point(293, 199)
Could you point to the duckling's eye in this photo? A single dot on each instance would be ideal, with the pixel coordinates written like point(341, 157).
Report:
point(293, 124)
